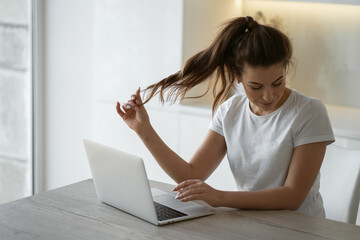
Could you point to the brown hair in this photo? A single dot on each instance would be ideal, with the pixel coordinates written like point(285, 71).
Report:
point(242, 40)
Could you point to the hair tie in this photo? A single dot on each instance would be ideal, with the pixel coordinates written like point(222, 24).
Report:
point(250, 24)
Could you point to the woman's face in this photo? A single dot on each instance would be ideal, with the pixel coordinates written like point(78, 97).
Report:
point(265, 87)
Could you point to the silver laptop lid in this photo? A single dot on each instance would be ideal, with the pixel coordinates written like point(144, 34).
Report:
point(115, 181)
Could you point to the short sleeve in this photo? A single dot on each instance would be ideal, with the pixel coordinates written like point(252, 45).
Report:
point(216, 124)
point(312, 125)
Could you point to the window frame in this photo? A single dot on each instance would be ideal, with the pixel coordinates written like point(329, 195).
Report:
point(36, 71)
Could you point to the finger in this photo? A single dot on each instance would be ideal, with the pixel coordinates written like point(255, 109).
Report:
point(132, 105)
point(138, 99)
point(127, 109)
point(197, 185)
point(192, 198)
point(187, 193)
point(185, 184)
point(118, 109)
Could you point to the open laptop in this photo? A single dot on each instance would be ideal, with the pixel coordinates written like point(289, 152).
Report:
point(120, 181)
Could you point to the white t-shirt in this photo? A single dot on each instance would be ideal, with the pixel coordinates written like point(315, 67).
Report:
point(259, 148)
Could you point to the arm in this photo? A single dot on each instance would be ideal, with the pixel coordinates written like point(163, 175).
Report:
point(304, 167)
point(201, 165)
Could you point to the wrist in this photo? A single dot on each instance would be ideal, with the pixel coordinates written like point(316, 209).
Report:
point(227, 198)
point(145, 132)
point(222, 198)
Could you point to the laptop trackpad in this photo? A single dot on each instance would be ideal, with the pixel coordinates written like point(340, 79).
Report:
point(170, 201)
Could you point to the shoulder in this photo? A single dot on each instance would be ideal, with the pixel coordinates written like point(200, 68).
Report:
point(235, 101)
point(305, 104)
point(311, 114)
point(231, 107)
point(312, 123)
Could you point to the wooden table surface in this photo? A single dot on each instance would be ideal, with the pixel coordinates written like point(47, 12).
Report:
point(73, 212)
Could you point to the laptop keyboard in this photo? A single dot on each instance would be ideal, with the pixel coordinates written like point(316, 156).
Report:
point(165, 213)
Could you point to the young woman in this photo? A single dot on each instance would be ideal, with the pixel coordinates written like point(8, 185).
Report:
point(274, 137)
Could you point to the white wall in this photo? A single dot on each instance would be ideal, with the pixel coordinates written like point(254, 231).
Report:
point(68, 28)
point(136, 43)
point(97, 52)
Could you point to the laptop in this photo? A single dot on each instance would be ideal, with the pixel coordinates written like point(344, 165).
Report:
point(120, 181)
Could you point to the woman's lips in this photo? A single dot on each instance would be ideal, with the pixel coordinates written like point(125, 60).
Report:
point(266, 104)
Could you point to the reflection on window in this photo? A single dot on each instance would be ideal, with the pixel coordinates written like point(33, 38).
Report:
point(15, 101)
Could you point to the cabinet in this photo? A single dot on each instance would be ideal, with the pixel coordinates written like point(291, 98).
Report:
point(351, 2)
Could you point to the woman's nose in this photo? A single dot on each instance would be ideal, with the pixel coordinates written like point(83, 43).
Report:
point(268, 96)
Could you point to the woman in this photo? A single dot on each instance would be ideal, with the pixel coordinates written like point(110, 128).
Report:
point(274, 137)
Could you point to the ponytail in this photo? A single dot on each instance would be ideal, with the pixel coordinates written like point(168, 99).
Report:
point(241, 41)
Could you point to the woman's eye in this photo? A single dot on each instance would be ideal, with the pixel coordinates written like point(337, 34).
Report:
point(255, 88)
point(277, 84)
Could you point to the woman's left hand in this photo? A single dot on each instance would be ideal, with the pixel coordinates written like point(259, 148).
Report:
point(190, 190)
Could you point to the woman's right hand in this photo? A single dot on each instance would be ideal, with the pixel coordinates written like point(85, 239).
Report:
point(134, 113)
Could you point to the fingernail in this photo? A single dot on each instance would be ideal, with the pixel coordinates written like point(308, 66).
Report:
point(132, 97)
point(177, 196)
point(128, 106)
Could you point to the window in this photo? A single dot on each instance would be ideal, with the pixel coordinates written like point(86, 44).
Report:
point(15, 101)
